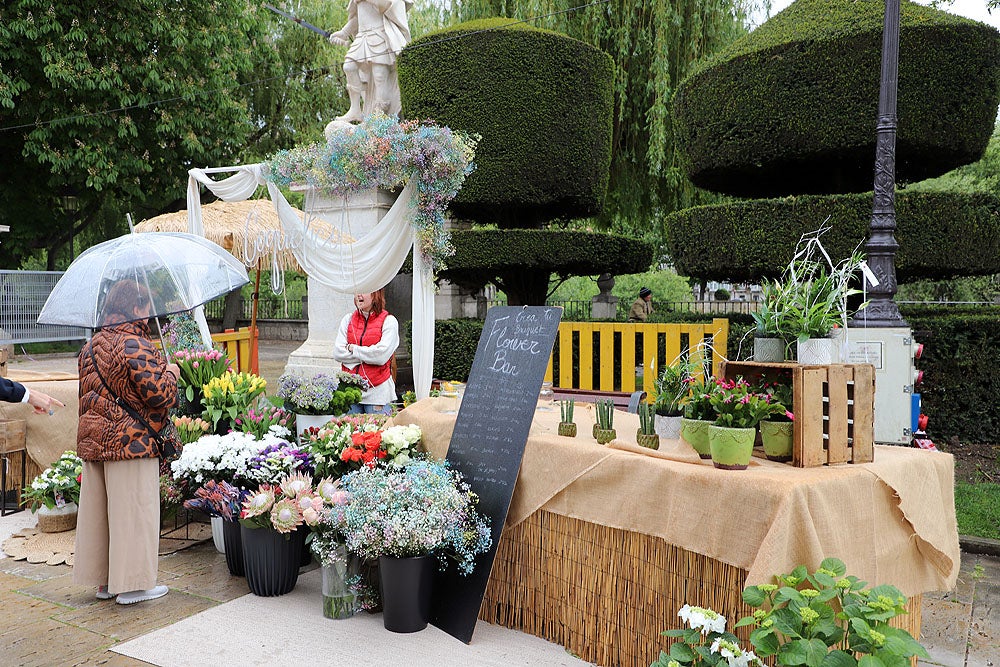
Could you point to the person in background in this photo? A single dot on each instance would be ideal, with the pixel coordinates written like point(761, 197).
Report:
point(118, 525)
point(366, 341)
point(15, 392)
point(642, 307)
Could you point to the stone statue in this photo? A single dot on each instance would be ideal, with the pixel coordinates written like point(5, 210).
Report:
point(377, 31)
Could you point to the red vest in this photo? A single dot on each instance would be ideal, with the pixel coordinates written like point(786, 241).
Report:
point(366, 334)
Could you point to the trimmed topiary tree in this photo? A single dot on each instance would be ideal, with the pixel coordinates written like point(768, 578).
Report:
point(541, 102)
point(521, 261)
point(791, 108)
point(940, 234)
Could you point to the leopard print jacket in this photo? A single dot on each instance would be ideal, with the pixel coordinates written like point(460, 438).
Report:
point(135, 369)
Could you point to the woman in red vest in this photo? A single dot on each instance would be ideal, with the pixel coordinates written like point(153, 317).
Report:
point(366, 341)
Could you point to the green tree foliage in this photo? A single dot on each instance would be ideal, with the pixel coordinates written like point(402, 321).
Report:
point(803, 91)
point(111, 102)
point(653, 45)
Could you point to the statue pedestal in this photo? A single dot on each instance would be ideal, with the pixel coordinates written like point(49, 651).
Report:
point(354, 216)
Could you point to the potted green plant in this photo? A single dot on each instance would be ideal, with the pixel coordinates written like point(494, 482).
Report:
point(698, 414)
point(814, 299)
point(604, 431)
point(768, 343)
point(646, 435)
point(566, 425)
point(671, 388)
point(54, 495)
point(738, 410)
point(408, 517)
point(777, 428)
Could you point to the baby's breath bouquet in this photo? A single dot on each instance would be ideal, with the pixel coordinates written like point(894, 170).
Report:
point(231, 394)
point(422, 508)
point(58, 484)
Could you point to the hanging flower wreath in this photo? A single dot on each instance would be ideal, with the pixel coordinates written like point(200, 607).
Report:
point(383, 152)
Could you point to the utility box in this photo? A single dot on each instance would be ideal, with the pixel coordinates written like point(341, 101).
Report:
point(892, 351)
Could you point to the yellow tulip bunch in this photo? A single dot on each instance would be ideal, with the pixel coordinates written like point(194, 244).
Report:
point(230, 394)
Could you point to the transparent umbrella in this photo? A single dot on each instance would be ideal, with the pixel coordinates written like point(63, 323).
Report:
point(172, 272)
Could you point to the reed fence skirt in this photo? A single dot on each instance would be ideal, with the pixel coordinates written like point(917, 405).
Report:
point(604, 355)
point(605, 594)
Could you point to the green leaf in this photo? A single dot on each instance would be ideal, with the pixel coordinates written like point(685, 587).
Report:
point(189, 393)
point(787, 593)
point(870, 661)
point(788, 622)
point(681, 652)
point(746, 620)
point(753, 596)
point(839, 658)
point(835, 565)
point(802, 652)
point(673, 633)
point(765, 641)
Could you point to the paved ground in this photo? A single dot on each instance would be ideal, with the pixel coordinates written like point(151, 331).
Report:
point(47, 621)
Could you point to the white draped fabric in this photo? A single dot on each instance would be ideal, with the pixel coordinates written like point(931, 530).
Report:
point(364, 265)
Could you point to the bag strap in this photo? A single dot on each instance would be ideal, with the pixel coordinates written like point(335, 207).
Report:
point(122, 403)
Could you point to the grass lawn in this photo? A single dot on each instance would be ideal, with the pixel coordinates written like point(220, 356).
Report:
point(978, 509)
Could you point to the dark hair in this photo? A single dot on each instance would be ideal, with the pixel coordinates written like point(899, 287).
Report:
point(121, 300)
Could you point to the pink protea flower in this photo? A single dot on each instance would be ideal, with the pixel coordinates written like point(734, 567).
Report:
point(285, 516)
point(259, 502)
point(296, 484)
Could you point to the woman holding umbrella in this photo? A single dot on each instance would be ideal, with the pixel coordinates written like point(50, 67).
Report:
point(126, 389)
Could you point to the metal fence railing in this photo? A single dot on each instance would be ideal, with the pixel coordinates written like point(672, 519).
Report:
point(268, 308)
point(22, 295)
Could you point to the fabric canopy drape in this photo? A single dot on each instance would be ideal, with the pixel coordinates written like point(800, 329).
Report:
point(364, 265)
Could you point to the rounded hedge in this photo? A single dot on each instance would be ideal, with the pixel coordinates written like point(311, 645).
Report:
point(940, 235)
point(542, 103)
point(792, 107)
point(484, 254)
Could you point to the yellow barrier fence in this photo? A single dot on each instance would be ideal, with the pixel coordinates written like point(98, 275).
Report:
point(621, 346)
point(240, 347)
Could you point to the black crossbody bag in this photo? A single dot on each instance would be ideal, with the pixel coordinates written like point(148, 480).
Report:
point(165, 438)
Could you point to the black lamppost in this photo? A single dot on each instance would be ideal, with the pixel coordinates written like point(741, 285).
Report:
point(882, 311)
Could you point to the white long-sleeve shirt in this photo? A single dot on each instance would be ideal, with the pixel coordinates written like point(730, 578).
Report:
point(376, 355)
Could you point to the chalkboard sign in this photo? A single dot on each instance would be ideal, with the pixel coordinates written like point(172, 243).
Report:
point(488, 442)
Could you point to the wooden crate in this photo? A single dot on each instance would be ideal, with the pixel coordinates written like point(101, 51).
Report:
point(834, 408)
point(12, 435)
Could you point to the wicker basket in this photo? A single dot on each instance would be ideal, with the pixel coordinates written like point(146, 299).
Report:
point(57, 520)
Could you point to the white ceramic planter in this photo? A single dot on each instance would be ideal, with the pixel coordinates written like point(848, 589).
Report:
point(768, 350)
point(815, 351)
point(302, 422)
point(668, 428)
point(217, 538)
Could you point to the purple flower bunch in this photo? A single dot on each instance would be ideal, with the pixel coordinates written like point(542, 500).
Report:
point(277, 461)
point(321, 394)
point(260, 421)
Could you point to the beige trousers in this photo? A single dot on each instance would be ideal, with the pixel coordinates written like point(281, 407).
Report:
point(118, 525)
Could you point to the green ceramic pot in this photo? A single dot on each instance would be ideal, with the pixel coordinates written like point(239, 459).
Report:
point(731, 447)
point(777, 440)
point(695, 433)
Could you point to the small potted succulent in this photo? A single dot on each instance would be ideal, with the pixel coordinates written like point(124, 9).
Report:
point(646, 435)
point(605, 428)
point(566, 425)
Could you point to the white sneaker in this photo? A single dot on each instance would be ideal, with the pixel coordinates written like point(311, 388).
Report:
point(103, 594)
point(141, 596)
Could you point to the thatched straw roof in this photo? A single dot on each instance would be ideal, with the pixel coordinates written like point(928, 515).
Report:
point(247, 229)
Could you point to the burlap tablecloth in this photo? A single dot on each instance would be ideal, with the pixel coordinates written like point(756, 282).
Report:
point(47, 436)
point(891, 521)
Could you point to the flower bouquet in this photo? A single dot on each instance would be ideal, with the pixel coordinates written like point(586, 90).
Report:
point(58, 485)
point(422, 508)
point(322, 394)
point(190, 429)
point(223, 458)
point(198, 367)
point(276, 461)
point(704, 642)
point(230, 394)
point(265, 419)
point(220, 499)
point(350, 442)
